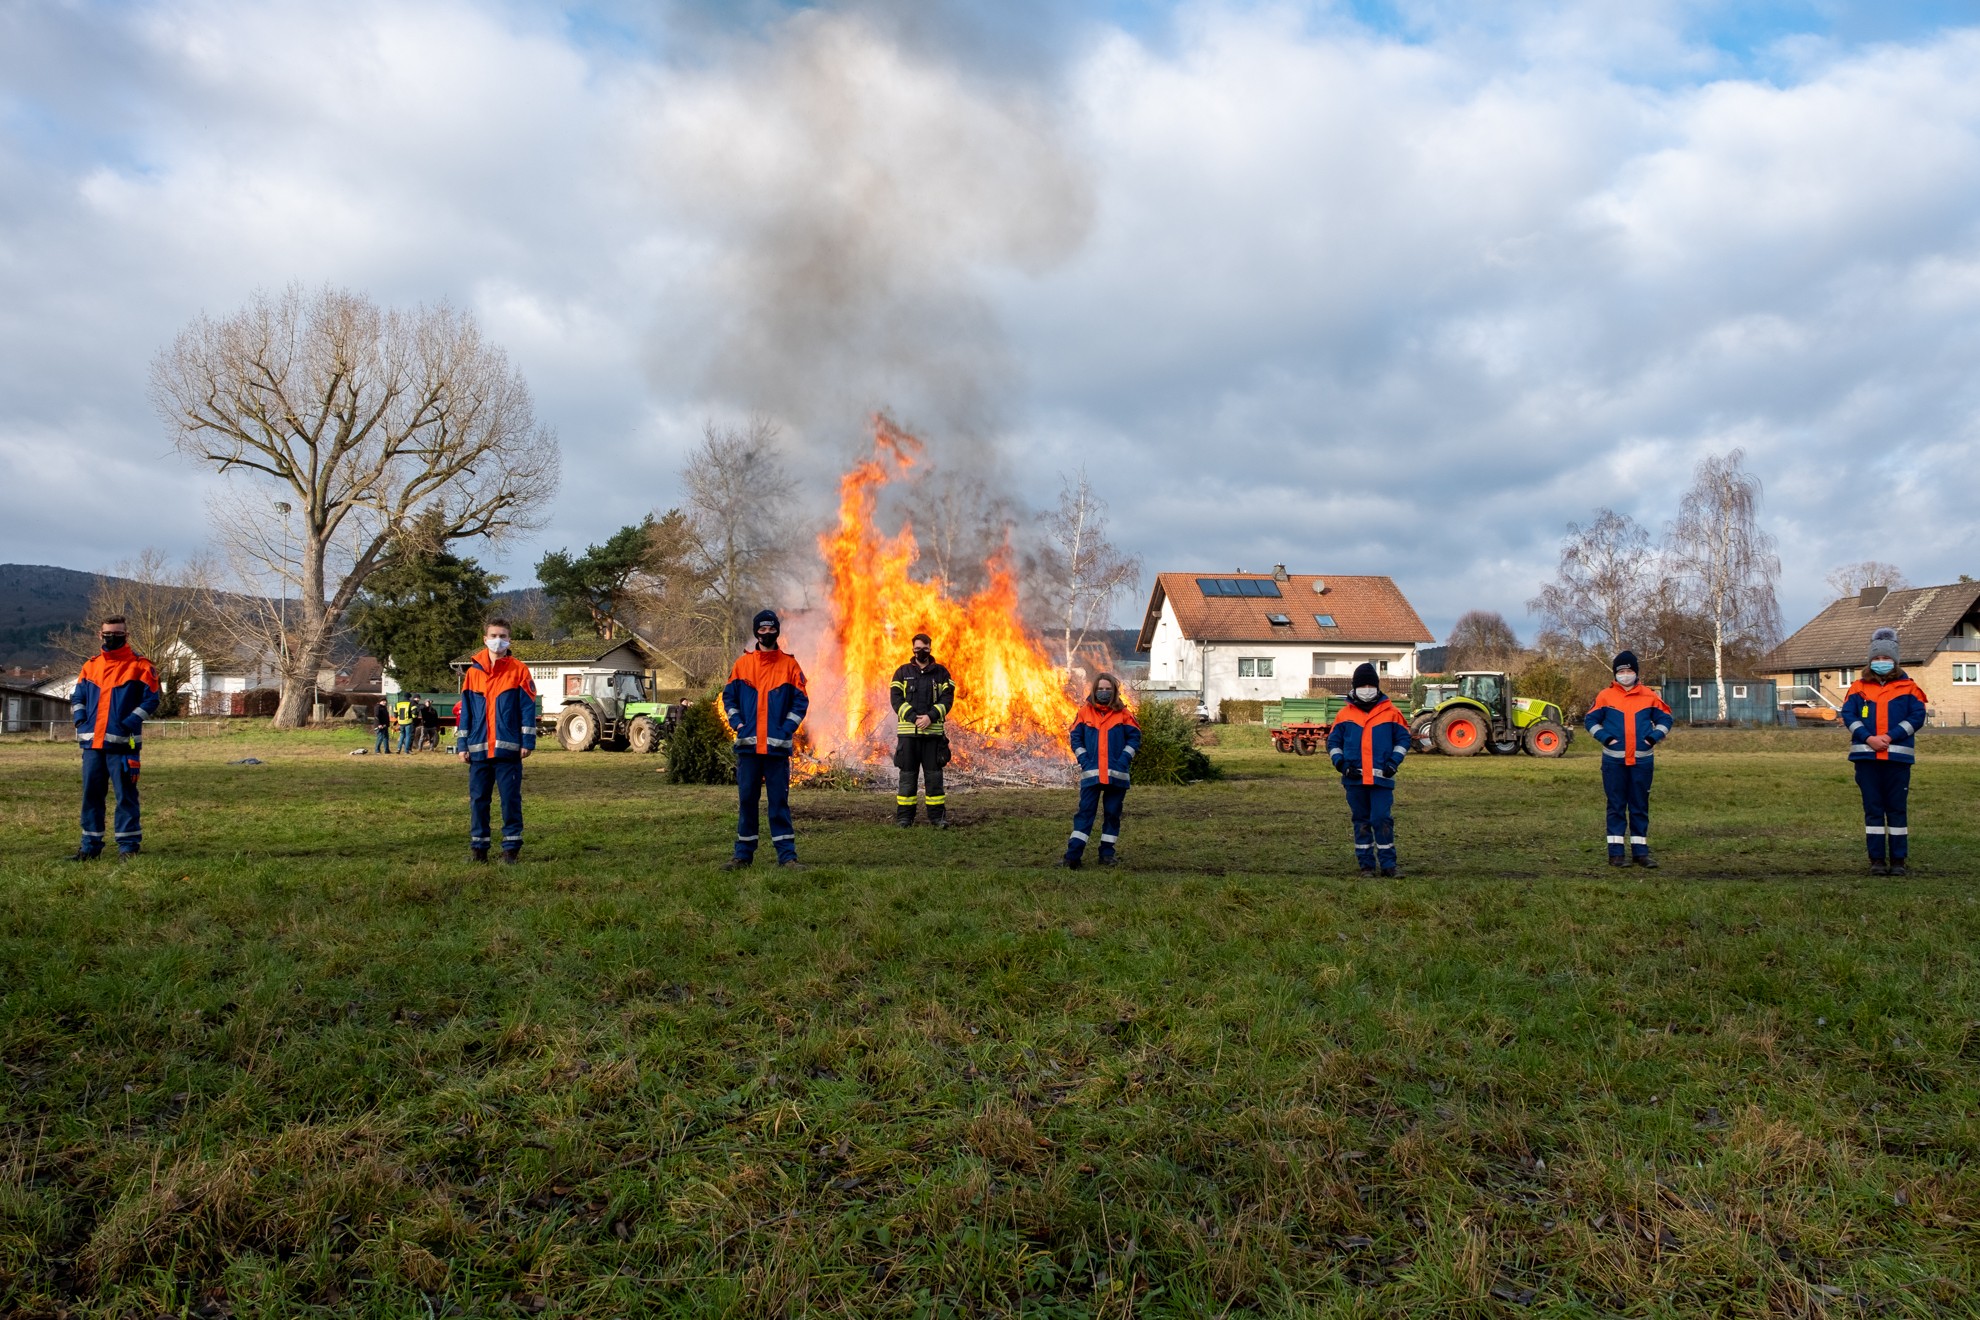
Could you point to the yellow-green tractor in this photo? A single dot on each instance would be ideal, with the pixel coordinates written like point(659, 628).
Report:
point(1479, 712)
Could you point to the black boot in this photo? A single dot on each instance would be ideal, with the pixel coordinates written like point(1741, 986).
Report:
point(938, 818)
point(510, 856)
point(1071, 861)
point(904, 818)
point(478, 855)
point(1879, 868)
point(81, 856)
point(1897, 868)
point(737, 864)
point(126, 854)
point(1646, 861)
point(1617, 859)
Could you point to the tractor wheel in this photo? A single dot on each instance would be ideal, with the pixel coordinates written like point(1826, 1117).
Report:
point(577, 729)
point(644, 735)
point(1546, 739)
point(1506, 746)
point(1422, 732)
point(1462, 731)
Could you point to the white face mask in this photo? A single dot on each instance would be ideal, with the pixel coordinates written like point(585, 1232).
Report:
point(498, 645)
point(1367, 694)
point(1626, 678)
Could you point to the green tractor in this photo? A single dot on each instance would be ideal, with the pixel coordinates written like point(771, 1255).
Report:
point(611, 709)
point(1480, 713)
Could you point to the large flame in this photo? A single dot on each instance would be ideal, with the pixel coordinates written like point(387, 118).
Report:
point(1010, 694)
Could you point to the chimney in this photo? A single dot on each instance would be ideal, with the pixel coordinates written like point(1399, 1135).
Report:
point(1278, 572)
point(1871, 597)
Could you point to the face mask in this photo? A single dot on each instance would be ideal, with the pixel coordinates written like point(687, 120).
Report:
point(498, 645)
point(921, 657)
point(114, 642)
point(767, 640)
point(1882, 666)
point(1103, 697)
point(1626, 678)
point(1367, 694)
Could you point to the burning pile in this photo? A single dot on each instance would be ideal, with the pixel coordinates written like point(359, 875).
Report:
point(1012, 709)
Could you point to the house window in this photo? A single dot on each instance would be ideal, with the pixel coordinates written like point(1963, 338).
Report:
point(1739, 691)
point(1848, 676)
point(1966, 674)
point(1325, 620)
point(1694, 692)
point(1808, 678)
point(1254, 666)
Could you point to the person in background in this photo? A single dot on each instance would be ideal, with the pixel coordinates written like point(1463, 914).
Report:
point(1884, 710)
point(1367, 744)
point(1629, 720)
point(408, 712)
point(495, 733)
point(381, 717)
point(429, 725)
point(765, 701)
point(114, 695)
point(923, 694)
point(1104, 738)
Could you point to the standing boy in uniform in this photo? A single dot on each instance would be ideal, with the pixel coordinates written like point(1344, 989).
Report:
point(1368, 742)
point(114, 695)
point(1104, 738)
point(923, 695)
point(495, 732)
point(765, 701)
point(1884, 710)
point(1629, 720)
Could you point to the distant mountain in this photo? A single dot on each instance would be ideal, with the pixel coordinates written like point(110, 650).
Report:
point(37, 602)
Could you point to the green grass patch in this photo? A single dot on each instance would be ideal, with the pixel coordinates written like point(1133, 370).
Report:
point(302, 1059)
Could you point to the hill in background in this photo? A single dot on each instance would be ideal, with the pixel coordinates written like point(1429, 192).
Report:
point(38, 602)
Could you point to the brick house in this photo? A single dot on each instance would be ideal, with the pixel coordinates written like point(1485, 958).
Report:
point(1938, 632)
point(1267, 636)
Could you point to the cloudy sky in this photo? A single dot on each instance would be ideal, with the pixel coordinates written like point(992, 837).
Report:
point(1357, 287)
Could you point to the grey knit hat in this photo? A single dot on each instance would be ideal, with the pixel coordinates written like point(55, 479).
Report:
point(1884, 645)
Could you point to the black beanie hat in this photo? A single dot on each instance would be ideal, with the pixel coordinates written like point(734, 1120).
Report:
point(763, 617)
point(1365, 676)
point(1624, 660)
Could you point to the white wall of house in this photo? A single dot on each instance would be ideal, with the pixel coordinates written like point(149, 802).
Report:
point(1237, 671)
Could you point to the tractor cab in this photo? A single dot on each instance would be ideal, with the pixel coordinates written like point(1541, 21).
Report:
point(614, 691)
point(1490, 690)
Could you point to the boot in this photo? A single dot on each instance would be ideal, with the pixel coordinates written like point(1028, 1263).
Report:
point(1071, 861)
point(737, 864)
point(1897, 868)
point(126, 854)
point(1879, 868)
point(938, 818)
point(510, 856)
point(478, 855)
point(1646, 861)
point(792, 864)
point(81, 856)
point(1109, 859)
point(1392, 873)
point(904, 818)
point(1617, 859)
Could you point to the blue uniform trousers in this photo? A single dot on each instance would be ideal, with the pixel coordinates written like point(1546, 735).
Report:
point(1107, 799)
point(1886, 789)
point(754, 775)
point(100, 769)
point(1628, 789)
point(1370, 807)
point(484, 778)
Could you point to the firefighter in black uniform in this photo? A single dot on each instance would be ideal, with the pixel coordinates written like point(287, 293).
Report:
point(923, 694)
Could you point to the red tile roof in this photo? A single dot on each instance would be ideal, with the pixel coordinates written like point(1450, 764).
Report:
point(1364, 610)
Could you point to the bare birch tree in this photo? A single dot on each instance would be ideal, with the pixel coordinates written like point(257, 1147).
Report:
point(1724, 564)
point(1603, 590)
point(739, 519)
point(166, 610)
point(960, 525)
point(1853, 578)
point(1082, 569)
point(345, 427)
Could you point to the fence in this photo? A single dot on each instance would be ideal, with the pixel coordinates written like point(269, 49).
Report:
point(65, 730)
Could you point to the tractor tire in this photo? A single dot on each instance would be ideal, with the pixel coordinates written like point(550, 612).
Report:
point(644, 735)
point(1462, 731)
point(1506, 746)
point(1305, 746)
point(577, 729)
point(1546, 739)
point(1423, 737)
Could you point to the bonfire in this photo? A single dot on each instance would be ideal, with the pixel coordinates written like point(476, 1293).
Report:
point(1012, 710)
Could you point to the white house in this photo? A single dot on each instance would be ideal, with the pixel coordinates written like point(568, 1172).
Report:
point(216, 675)
point(1266, 636)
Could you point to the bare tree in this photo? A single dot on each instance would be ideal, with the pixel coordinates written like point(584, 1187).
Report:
point(165, 607)
point(1853, 578)
point(347, 426)
point(1724, 564)
point(1082, 570)
point(1602, 592)
point(961, 525)
point(739, 497)
point(1481, 639)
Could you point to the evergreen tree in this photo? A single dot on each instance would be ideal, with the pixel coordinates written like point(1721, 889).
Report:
point(421, 609)
point(592, 592)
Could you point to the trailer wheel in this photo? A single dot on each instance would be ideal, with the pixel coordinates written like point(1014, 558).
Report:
point(1547, 739)
point(1506, 746)
point(1461, 731)
point(577, 729)
point(1306, 746)
point(644, 735)
point(1421, 732)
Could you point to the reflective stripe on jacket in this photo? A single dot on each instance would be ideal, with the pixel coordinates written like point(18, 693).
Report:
point(765, 702)
point(496, 717)
point(1104, 741)
point(917, 691)
point(1369, 743)
point(114, 696)
point(1894, 706)
point(1628, 722)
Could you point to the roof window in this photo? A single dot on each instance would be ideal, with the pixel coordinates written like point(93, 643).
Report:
point(1280, 620)
point(1325, 620)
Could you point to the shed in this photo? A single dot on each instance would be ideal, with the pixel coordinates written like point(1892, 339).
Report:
point(25, 710)
point(1696, 701)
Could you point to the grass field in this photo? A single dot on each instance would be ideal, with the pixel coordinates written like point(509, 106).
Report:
point(302, 1059)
